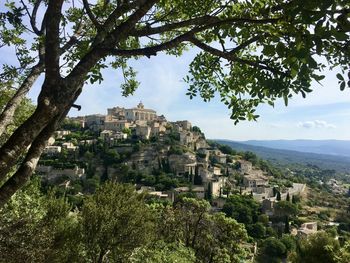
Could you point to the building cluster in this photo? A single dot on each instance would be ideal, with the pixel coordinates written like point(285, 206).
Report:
point(213, 173)
point(119, 122)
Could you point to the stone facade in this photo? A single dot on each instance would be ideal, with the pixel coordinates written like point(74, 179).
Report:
point(140, 113)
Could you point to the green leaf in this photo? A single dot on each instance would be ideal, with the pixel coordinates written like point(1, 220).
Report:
point(342, 86)
point(340, 77)
point(280, 49)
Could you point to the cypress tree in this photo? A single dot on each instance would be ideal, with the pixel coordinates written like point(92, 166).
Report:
point(286, 225)
point(278, 197)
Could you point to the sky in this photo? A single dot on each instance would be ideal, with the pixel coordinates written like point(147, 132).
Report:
point(323, 114)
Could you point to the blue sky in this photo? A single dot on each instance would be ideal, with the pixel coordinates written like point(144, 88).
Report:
point(324, 114)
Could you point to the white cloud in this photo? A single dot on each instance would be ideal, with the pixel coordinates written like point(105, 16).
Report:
point(316, 124)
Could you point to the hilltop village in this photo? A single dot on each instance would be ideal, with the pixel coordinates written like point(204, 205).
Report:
point(164, 158)
point(175, 192)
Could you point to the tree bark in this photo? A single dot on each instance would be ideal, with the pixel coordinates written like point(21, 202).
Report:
point(22, 138)
point(29, 164)
point(6, 116)
point(49, 125)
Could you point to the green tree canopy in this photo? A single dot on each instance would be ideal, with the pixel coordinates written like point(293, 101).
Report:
point(249, 52)
point(114, 222)
point(321, 246)
point(243, 208)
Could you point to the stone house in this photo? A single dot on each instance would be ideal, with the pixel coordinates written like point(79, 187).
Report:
point(217, 185)
point(143, 131)
point(95, 122)
point(255, 179)
point(185, 125)
point(307, 229)
point(52, 150)
point(61, 134)
point(182, 164)
point(205, 174)
point(117, 112)
point(50, 173)
point(115, 125)
point(70, 147)
point(220, 157)
point(186, 137)
point(215, 170)
point(157, 128)
point(245, 166)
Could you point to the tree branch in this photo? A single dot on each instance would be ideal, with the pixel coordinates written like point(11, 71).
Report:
point(111, 21)
point(148, 51)
point(204, 21)
point(33, 17)
point(90, 14)
point(52, 40)
point(233, 58)
point(96, 53)
point(6, 116)
point(247, 43)
point(124, 28)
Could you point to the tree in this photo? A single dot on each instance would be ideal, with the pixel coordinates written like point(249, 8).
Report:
point(38, 228)
point(256, 230)
point(320, 245)
point(242, 208)
point(272, 250)
point(285, 208)
point(212, 236)
point(164, 253)
point(278, 196)
point(286, 225)
point(267, 50)
point(114, 222)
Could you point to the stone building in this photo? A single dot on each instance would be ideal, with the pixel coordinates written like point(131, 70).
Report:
point(143, 131)
point(185, 125)
point(245, 166)
point(254, 180)
point(140, 113)
point(95, 122)
point(115, 124)
point(117, 112)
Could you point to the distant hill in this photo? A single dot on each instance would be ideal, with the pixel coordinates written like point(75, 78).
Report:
point(279, 156)
point(329, 147)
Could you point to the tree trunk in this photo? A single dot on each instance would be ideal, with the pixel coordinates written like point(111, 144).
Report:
point(36, 131)
point(6, 116)
point(22, 138)
point(29, 164)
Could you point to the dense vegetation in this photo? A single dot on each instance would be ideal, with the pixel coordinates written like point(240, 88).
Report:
point(111, 222)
